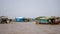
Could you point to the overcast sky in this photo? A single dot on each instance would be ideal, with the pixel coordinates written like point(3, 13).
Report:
point(29, 8)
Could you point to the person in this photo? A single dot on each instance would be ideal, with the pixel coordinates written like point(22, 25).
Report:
point(53, 18)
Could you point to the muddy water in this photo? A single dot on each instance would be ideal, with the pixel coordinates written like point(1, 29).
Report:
point(29, 28)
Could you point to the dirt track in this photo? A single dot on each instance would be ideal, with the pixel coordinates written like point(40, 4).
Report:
point(28, 28)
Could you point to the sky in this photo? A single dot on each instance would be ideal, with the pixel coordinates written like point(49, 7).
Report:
point(29, 8)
